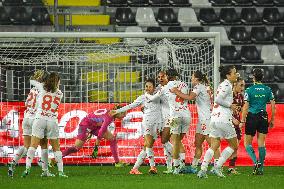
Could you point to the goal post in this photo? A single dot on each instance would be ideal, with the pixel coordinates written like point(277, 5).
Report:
point(98, 70)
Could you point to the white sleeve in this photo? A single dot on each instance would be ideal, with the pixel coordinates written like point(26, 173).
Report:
point(221, 95)
point(184, 88)
point(37, 84)
point(196, 90)
point(134, 104)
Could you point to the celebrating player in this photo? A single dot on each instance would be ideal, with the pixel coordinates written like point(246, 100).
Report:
point(255, 117)
point(202, 94)
point(179, 116)
point(238, 89)
point(46, 121)
point(27, 123)
point(152, 119)
point(165, 127)
point(97, 123)
point(221, 122)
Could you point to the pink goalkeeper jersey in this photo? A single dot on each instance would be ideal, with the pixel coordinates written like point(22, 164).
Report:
point(97, 121)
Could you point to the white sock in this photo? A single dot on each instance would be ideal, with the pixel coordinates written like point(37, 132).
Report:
point(169, 158)
point(195, 162)
point(207, 158)
point(168, 147)
point(22, 151)
point(30, 157)
point(182, 157)
point(58, 159)
point(44, 159)
point(150, 156)
point(176, 162)
point(140, 159)
point(227, 152)
point(215, 162)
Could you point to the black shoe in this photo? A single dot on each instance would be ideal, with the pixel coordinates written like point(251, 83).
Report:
point(256, 167)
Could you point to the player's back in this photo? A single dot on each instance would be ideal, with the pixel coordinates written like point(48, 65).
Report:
point(203, 101)
point(48, 104)
point(96, 117)
point(31, 103)
point(178, 106)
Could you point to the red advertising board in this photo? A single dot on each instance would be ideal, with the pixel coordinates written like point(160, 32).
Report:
point(128, 132)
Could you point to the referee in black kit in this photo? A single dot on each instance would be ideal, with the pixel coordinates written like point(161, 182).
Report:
point(255, 117)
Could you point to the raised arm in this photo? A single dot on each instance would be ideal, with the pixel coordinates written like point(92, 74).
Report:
point(134, 104)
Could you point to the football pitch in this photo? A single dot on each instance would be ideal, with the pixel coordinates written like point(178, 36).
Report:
point(110, 177)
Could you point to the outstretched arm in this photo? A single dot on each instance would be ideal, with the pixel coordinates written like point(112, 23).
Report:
point(134, 104)
point(190, 96)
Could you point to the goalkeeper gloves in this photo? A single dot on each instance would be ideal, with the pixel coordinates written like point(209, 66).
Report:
point(95, 152)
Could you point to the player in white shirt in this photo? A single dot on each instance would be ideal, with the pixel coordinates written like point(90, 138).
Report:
point(28, 119)
point(152, 118)
point(179, 116)
point(221, 122)
point(202, 94)
point(165, 130)
point(46, 121)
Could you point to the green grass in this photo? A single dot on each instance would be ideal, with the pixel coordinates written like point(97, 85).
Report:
point(110, 177)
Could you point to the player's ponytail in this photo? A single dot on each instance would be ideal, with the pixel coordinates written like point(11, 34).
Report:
point(51, 83)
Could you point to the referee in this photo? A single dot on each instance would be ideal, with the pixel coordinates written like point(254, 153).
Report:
point(255, 117)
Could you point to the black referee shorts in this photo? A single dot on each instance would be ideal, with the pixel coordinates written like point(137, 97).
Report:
point(256, 122)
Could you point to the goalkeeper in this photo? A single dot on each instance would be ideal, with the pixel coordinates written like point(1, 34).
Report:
point(97, 123)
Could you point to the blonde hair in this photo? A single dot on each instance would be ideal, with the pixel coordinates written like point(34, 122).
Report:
point(37, 75)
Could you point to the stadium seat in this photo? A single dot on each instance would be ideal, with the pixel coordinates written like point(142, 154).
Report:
point(97, 96)
point(128, 77)
point(175, 29)
point(263, 3)
point(40, 16)
point(127, 96)
point(279, 73)
point(224, 40)
point(4, 17)
point(95, 77)
point(250, 54)
point(272, 16)
point(33, 2)
point(196, 29)
point(270, 54)
point(125, 17)
point(13, 3)
point(250, 16)
point(279, 3)
point(145, 17)
point(154, 29)
point(20, 16)
point(138, 3)
point(200, 3)
point(242, 3)
point(134, 41)
point(167, 17)
point(180, 3)
point(239, 35)
point(260, 35)
point(221, 3)
point(116, 3)
point(187, 17)
point(278, 35)
point(159, 3)
point(208, 16)
point(230, 55)
point(229, 16)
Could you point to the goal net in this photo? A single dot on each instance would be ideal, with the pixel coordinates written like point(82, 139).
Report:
point(98, 70)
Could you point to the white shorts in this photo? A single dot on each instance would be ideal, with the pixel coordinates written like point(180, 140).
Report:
point(165, 123)
point(203, 127)
point(179, 125)
point(27, 126)
point(43, 128)
point(150, 129)
point(222, 130)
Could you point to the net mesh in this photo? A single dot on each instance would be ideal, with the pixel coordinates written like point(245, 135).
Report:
point(96, 76)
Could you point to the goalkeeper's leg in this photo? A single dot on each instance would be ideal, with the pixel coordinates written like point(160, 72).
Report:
point(78, 145)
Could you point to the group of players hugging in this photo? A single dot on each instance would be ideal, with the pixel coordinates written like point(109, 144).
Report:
point(165, 114)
